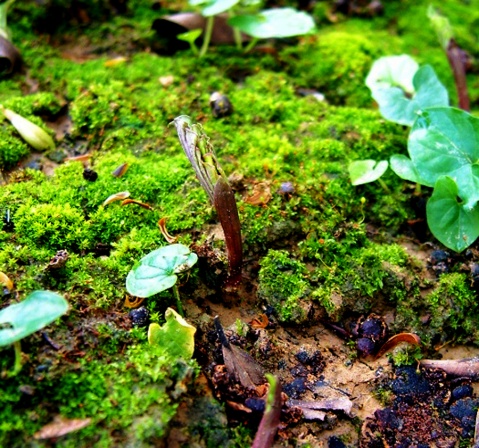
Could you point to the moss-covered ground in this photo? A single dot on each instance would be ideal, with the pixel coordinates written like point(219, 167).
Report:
point(316, 248)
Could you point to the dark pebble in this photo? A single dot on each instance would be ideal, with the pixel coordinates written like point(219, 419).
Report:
point(462, 391)
point(139, 317)
point(335, 442)
point(296, 388)
point(255, 404)
point(90, 175)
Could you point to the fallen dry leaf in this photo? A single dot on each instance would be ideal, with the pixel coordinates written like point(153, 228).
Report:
point(61, 426)
point(392, 342)
point(454, 367)
point(116, 197)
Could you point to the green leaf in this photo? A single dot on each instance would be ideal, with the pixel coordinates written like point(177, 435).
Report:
point(190, 36)
point(38, 310)
point(401, 89)
point(365, 171)
point(217, 7)
point(454, 225)
point(176, 336)
point(393, 71)
point(278, 22)
point(404, 168)
point(157, 270)
point(444, 142)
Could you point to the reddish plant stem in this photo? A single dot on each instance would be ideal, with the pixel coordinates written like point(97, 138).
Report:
point(225, 205)
point(455, 56)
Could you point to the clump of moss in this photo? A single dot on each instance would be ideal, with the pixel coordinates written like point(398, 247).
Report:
point(336, 64)
point(12, 149)
point(52, 226)
point(358, 281)
point(453, 311)
point(283, 285)
point(130, 399)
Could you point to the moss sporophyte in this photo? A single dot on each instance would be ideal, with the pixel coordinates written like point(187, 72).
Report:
point(202, 157)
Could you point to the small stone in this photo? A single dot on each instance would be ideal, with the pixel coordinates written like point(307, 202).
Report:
point(90, 175)
point(220, 105)
point(139, 317)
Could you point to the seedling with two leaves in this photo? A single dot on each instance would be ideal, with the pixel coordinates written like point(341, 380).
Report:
point(246, 17)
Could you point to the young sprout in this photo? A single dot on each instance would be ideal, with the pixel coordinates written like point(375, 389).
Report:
point(158, 271)
point(17, 321)
point(34, 135)
point(190, 37)
point(203, 159)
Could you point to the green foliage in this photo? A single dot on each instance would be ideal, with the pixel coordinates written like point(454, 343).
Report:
point(443, 150)
point(176, 337)
point(278, 22)
point(283, 284)
point(53, 226)
point(38, 310)
point(365, 171)
point(402, 89)
point(157, 270)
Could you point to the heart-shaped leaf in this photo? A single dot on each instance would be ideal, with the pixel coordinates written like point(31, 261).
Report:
point(404, 168)
point(454, 225)
point(38, 310)
point(278, 22)
point(365, 171)
point(444, 142)
point(402, 89)
point(176, 335)
point(157, 270)
point(215, 7)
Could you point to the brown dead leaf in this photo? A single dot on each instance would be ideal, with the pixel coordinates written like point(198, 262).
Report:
point(454, 367)
point(141, 204)
point(261, 194)
point(330, 404)
point(261, 321)
point(392, 342)
point(61, 426)
point(239, 364)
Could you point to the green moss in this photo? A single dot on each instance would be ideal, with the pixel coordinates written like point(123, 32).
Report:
point(52, 226)
point(130, 400)
point(335, 64)
point(359, 281)
point(12, 148)
point(282, 285)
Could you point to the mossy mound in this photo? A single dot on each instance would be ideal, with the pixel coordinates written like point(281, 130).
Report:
point(311, 238)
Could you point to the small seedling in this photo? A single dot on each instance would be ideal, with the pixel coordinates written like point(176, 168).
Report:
point(366, 171)
point(190, 37)
point(34, 135)
point(203, 159)
point(442, 146)
point(158, 271)
point(17, 321)
point(273, 23)
point(246, 17)
point(175, 336)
